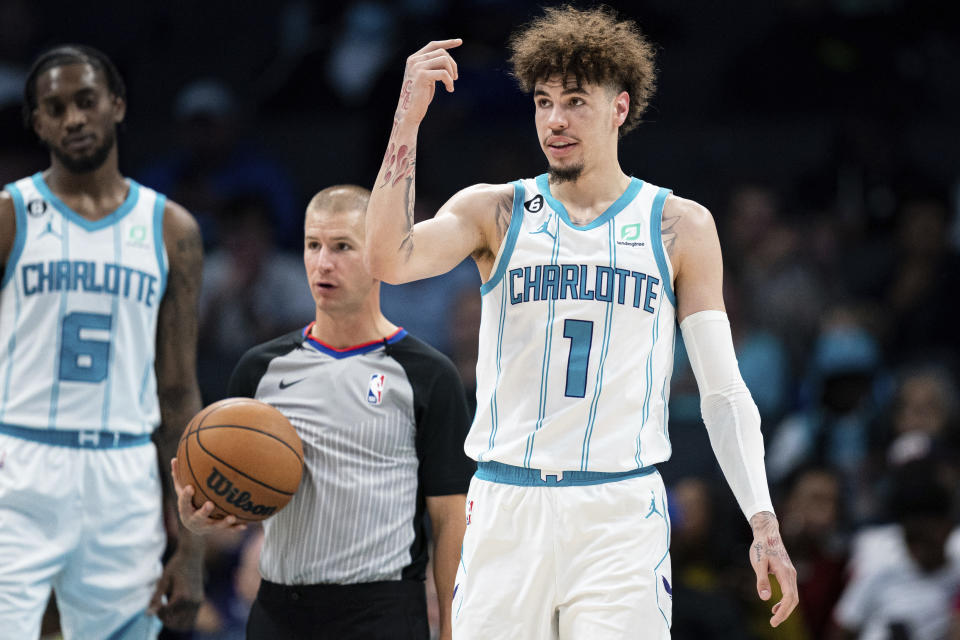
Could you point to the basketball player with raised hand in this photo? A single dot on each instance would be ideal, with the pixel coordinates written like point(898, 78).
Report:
point(382, 417)
point(98, 325)
point(586, 272)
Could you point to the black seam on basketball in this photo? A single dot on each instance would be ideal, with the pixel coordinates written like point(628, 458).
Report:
point(269, 435)
point(199, 488)
point(234, 469)
point(196, 482)
point(203, 416)
point(220, 405)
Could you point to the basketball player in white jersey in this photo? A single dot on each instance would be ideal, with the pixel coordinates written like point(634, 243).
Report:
point(586, 272)
point(98, 325)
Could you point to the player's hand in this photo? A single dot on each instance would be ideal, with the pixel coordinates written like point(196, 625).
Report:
point(425, 68)
point(198, 520)
point(769, 557)
point(179, 592)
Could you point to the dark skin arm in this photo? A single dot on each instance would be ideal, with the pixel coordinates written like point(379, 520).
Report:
point(446, 515)
point(179, 395)
point(8, 228)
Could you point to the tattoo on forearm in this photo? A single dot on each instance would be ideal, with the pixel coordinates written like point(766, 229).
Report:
point(406, 245)
point(399, 163)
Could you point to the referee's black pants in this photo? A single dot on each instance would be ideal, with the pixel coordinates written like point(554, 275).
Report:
point(370, 611)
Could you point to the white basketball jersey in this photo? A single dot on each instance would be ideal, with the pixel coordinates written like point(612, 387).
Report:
point(577, 337)
point(78, 313)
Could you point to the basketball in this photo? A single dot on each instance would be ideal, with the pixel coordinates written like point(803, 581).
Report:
point(242, 455)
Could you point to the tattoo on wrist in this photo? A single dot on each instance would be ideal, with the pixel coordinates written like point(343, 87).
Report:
point(405, 95)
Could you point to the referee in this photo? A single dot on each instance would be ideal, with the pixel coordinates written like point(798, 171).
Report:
point(383, 418)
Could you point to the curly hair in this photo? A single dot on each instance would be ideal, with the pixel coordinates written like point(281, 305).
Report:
point(589, 45)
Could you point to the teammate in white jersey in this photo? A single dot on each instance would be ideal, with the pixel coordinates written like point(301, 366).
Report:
point(586, 272)
point(98, 325)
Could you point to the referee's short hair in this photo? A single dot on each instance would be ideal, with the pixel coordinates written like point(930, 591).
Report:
point(341, 197)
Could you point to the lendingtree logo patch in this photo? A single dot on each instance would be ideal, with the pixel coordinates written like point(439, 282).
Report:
point(630, 235)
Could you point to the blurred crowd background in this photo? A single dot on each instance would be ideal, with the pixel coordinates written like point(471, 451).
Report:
point(823, 135)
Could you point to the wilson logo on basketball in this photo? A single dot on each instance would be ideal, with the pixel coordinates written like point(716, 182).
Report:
point(221, 486)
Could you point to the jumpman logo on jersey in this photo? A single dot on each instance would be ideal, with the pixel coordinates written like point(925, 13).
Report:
point(49, 229)
point(653, 507)
point(545, 228)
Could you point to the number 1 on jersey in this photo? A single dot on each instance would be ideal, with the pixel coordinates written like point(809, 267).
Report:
point(580, 333)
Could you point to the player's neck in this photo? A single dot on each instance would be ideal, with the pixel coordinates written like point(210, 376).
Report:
point(101, 182)
point(596, 188)
point(342, 331)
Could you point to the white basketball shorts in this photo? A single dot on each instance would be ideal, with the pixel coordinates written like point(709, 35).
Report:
point(585, 555)
point(86, 522)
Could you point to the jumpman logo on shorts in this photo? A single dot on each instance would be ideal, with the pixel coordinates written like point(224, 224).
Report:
point(653, 507)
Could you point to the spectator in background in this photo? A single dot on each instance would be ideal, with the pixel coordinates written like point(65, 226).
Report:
point(924, 416)
point(910, 599)
point(251, 291)
point(767, 258)
point(834, 426)
point(704, 606)
point(214, 163)
point(813, 526)
point(919, 281)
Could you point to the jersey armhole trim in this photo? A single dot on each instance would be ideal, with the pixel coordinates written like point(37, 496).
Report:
point(656, 241)
point(20, 235)
point(159, 206)
point(509, 241)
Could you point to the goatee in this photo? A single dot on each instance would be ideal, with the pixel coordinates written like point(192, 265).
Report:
point(564, 174)
point(88, 163)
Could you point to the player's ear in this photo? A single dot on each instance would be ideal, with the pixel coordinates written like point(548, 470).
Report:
point(621, 108)
point(119, 109)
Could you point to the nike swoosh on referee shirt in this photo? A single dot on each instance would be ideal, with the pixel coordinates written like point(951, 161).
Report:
point(285, 385)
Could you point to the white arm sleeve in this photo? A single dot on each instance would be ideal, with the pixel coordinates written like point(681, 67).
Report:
point(729, 412)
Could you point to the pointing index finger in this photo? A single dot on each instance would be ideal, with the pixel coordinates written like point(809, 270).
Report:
point(442, 44)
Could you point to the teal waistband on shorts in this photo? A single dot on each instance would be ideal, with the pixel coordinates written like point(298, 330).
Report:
point(523, 477)
point(77, 439)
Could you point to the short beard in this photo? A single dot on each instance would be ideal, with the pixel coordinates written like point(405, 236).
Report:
point(564, 174)
point(86, 164)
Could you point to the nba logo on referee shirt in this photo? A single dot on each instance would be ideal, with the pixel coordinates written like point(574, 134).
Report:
point(375, 390)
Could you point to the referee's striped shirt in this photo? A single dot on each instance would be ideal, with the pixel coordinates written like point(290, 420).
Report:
point(383, 426)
